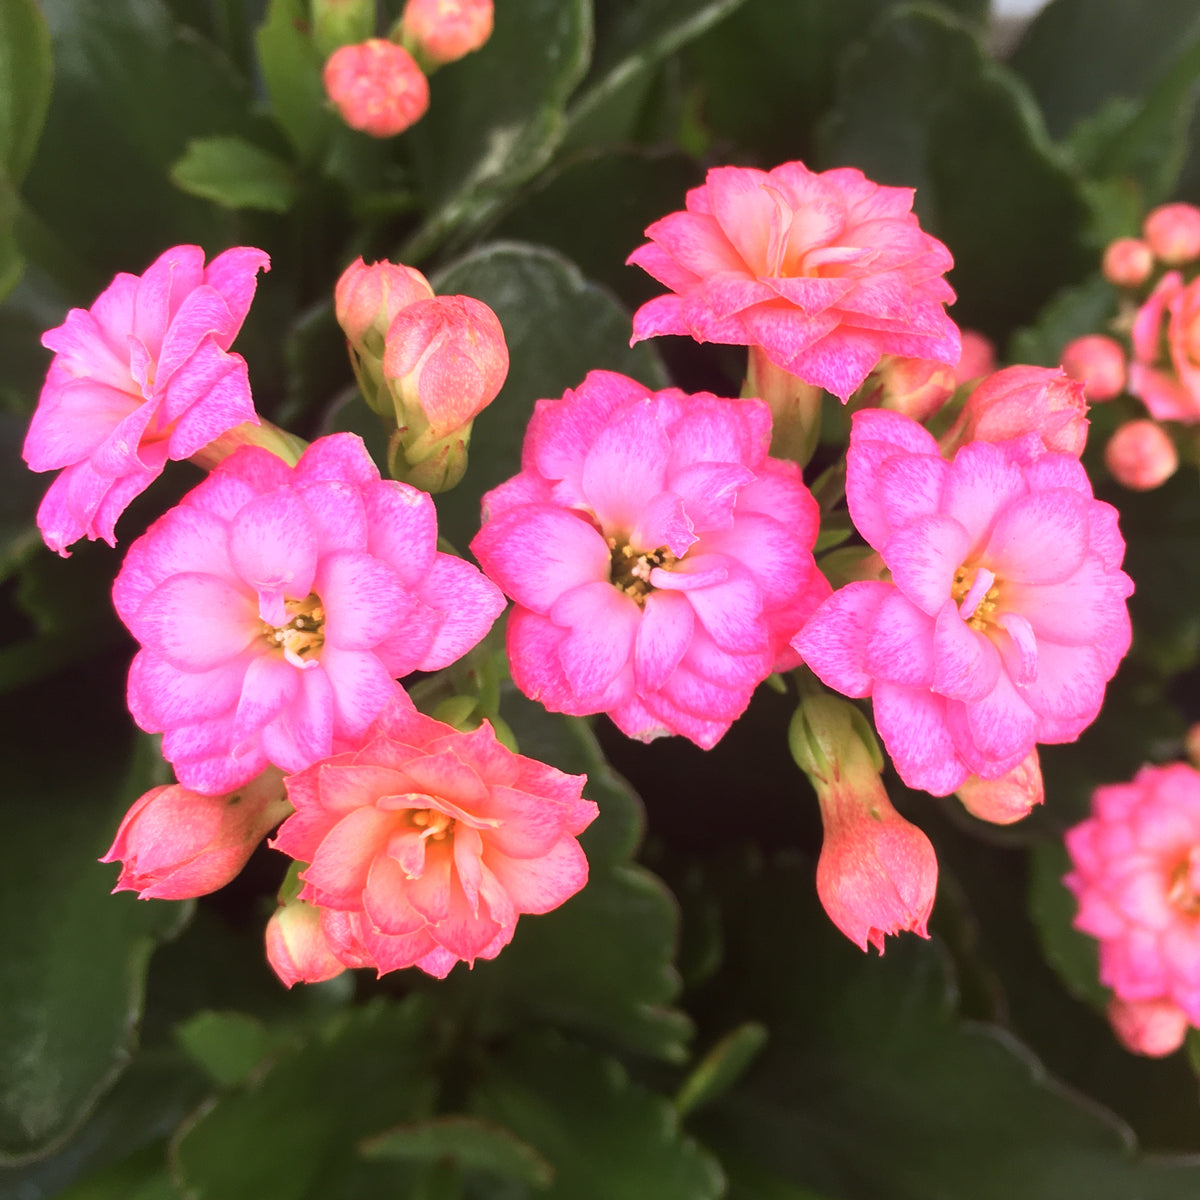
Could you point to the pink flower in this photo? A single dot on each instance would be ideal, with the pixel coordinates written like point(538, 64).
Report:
point(425, 845)
point(377, 87)
point(978, 358)
point(827, 272)
point(1165, 371)
point(659, 560)
point(442, 31)
point(1008, 798)
point(174, 844)
point(141, 377)
point(1151, 1027)
point(1021, 400)
point(1005, 613)
point(1141, 456)
point(1098, 363)
point(275, 607)
point(297, 948)
point(367, 299)
point(1136, 876)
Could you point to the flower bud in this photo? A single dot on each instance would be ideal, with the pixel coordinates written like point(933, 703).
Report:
point(1191, 745)
point(917, 387)
point(1007, 799)
point(1021, 400)
point(1151, 1027)
point(367, 300)
point(175, 844)
point(340, 22)
point(1098, 363)
point(445, 360)
point(877, 873)
point(795, 407)
point(297, 948)
point(1141, 456)
point(1127, 262)
point(1173, 233)
point(441, 31)
point(377, 87)
point(978, 358)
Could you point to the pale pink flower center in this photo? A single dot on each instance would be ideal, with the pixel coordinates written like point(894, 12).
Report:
point(434, 826)
point(1183, 889)
point(630, 571)
point(977, 594)
point(304, 632)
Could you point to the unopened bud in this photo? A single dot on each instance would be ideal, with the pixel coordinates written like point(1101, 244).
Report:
point(445, 361)
point(442, 31)
point(1173, 233)
point(377, 87)
point(175, 844)
point(1007, 799)
point(917, 387)
point(260, 433)
point(1021, 400)
point(1141, 456)
point(977, 360)
point(367, 300)
point(1151, 1027)
point(1098, 363)
point(341, 22)
point(877, 874)
point(1127, 262)
point(795, 407)
point(297, 948)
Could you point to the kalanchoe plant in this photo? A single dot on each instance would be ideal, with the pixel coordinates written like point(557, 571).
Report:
point(784, 410)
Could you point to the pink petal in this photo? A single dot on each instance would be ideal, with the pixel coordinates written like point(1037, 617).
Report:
point(1041, 538)
point(980, 486)
point(270, 684)
point(339, 869)
point(602, 624)
point(363, 599)
point(966, 664)
point(469, 603)
point(899, 642)
point(731, 612)
point(303, 732)
point(162, 696)
point(834, 642)
point(196, 622)
point(912, 724)
point(923, 558)
point(361, 688)
point(541, 884)
point(662, 639)
point(273, 547)
point(625, 467)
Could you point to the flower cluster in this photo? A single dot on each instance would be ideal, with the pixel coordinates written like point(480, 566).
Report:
point(1136, 876)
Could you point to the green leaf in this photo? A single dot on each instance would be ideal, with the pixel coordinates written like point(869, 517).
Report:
point(558, 327)
point(1074, 955)
point(921, 105)
point(1075, 311)
point(467, 1142)
point(235, 173)
point(291, 1134)
point(873, 1087)
point(26, 71)
point(604, 1135)
point(73, 974)
point(1077, 54)
point(291, 68)
point(227, 1045)
point(721, 1067)
point(631, 39)
point(131, 89)
point(496, 117)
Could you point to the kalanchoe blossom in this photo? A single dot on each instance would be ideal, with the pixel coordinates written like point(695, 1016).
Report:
point(1007, 799)
point(175, 844)
point(377, 87)
point(877, 874)
point(1021, 400)
point(297, 948)
point(1151, 1027)
point(141, 377)
point(425, 845)
point(1098, 363)
point(1136, 876)
point(917, 387)
point(827, 272)
point(443, 31)
point(1172, 231)
point(978, 358)
point(659, 560)
point(1128, 262)
point(1005, 613)
point(276, 606)
point(1141, 456)
point(1165, 371)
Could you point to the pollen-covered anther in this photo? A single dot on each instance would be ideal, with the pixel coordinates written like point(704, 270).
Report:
point(434, 825)
point(303, 634)
point(631, 568)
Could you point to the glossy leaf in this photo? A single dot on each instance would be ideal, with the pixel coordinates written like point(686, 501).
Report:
point(235, 173)
point(558, 327)
point(604, 1135)
point(291, 68)
point(496, 117)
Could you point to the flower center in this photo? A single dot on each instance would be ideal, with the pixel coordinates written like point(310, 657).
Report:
point(975, 592)
point(1183, 887)
point(303, 634)
point(630, 572)
point(435, 826)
